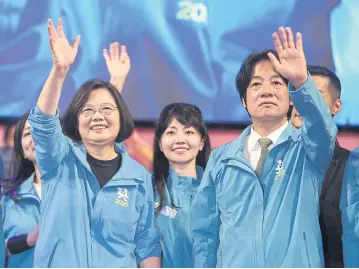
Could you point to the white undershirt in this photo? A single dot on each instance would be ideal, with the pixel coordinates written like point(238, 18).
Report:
point(253, 149)
point(38, 189)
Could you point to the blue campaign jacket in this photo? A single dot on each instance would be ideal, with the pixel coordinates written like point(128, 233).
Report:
point(2, 240)
point(82, 225)
point(19, 218)
point(2, 245)
point(239, 220)
point(173, 219)
point(349, 205)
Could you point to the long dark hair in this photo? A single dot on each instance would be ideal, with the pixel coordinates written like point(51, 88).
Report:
point(188, 115)
point(21, 168)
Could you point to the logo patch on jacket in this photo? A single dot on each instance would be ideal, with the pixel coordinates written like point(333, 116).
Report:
point(122, 197)
point(280, 170)
point(168, 212)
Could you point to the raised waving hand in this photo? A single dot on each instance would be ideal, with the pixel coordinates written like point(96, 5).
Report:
point(63, 55)
point(291, 64)
point(118, 64)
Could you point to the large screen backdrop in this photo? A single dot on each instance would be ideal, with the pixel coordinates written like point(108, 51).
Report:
point(180, 50)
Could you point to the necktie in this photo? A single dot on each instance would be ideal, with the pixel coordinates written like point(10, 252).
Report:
point(264, 143)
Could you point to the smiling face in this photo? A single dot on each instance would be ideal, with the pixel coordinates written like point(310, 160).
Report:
point(28, 144)
point(267, 97)
point(181, 144)
point(103, 125)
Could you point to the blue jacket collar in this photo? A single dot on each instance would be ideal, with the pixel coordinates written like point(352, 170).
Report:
point(174, 179)
point(237, 147)
point(199, 170)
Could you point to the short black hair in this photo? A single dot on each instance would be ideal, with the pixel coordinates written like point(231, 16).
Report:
point(245, 74)
point(317, 70)
point(71, 123)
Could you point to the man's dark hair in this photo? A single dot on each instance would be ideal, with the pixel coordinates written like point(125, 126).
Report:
point(325, 72)
point(245, 74)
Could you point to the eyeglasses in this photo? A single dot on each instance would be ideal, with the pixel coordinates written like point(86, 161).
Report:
point(104, 109)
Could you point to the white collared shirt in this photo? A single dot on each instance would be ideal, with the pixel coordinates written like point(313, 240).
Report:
point(38, 189)
point(253, 149)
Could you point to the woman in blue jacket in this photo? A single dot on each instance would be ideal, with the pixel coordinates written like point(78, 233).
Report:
point(97, 207)
point(181, 151)
point(21, 200)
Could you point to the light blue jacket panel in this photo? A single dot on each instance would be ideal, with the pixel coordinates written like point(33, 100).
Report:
point(349, 205)
point(173, 219)
point(2, 240)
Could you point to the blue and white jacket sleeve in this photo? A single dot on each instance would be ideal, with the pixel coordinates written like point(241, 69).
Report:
point(146, 238)
point(318, 130)
point(349, 205)
point(205, 220)
point(50, 143)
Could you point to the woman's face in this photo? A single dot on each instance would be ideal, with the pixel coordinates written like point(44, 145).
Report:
point(181, 144)
point(99, 119)
point(28, 144)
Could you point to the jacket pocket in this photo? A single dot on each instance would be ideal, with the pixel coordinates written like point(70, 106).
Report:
point(53, 252)
point(306, 249)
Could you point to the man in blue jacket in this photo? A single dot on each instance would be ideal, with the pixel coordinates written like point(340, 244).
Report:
point(257, 205)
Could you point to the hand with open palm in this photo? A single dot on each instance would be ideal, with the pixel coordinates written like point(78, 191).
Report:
point(291, 64)
point(118, 64)
point(63, 54)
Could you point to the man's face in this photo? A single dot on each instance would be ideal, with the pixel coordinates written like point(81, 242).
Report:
point(267, 96)
point(329, 94)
